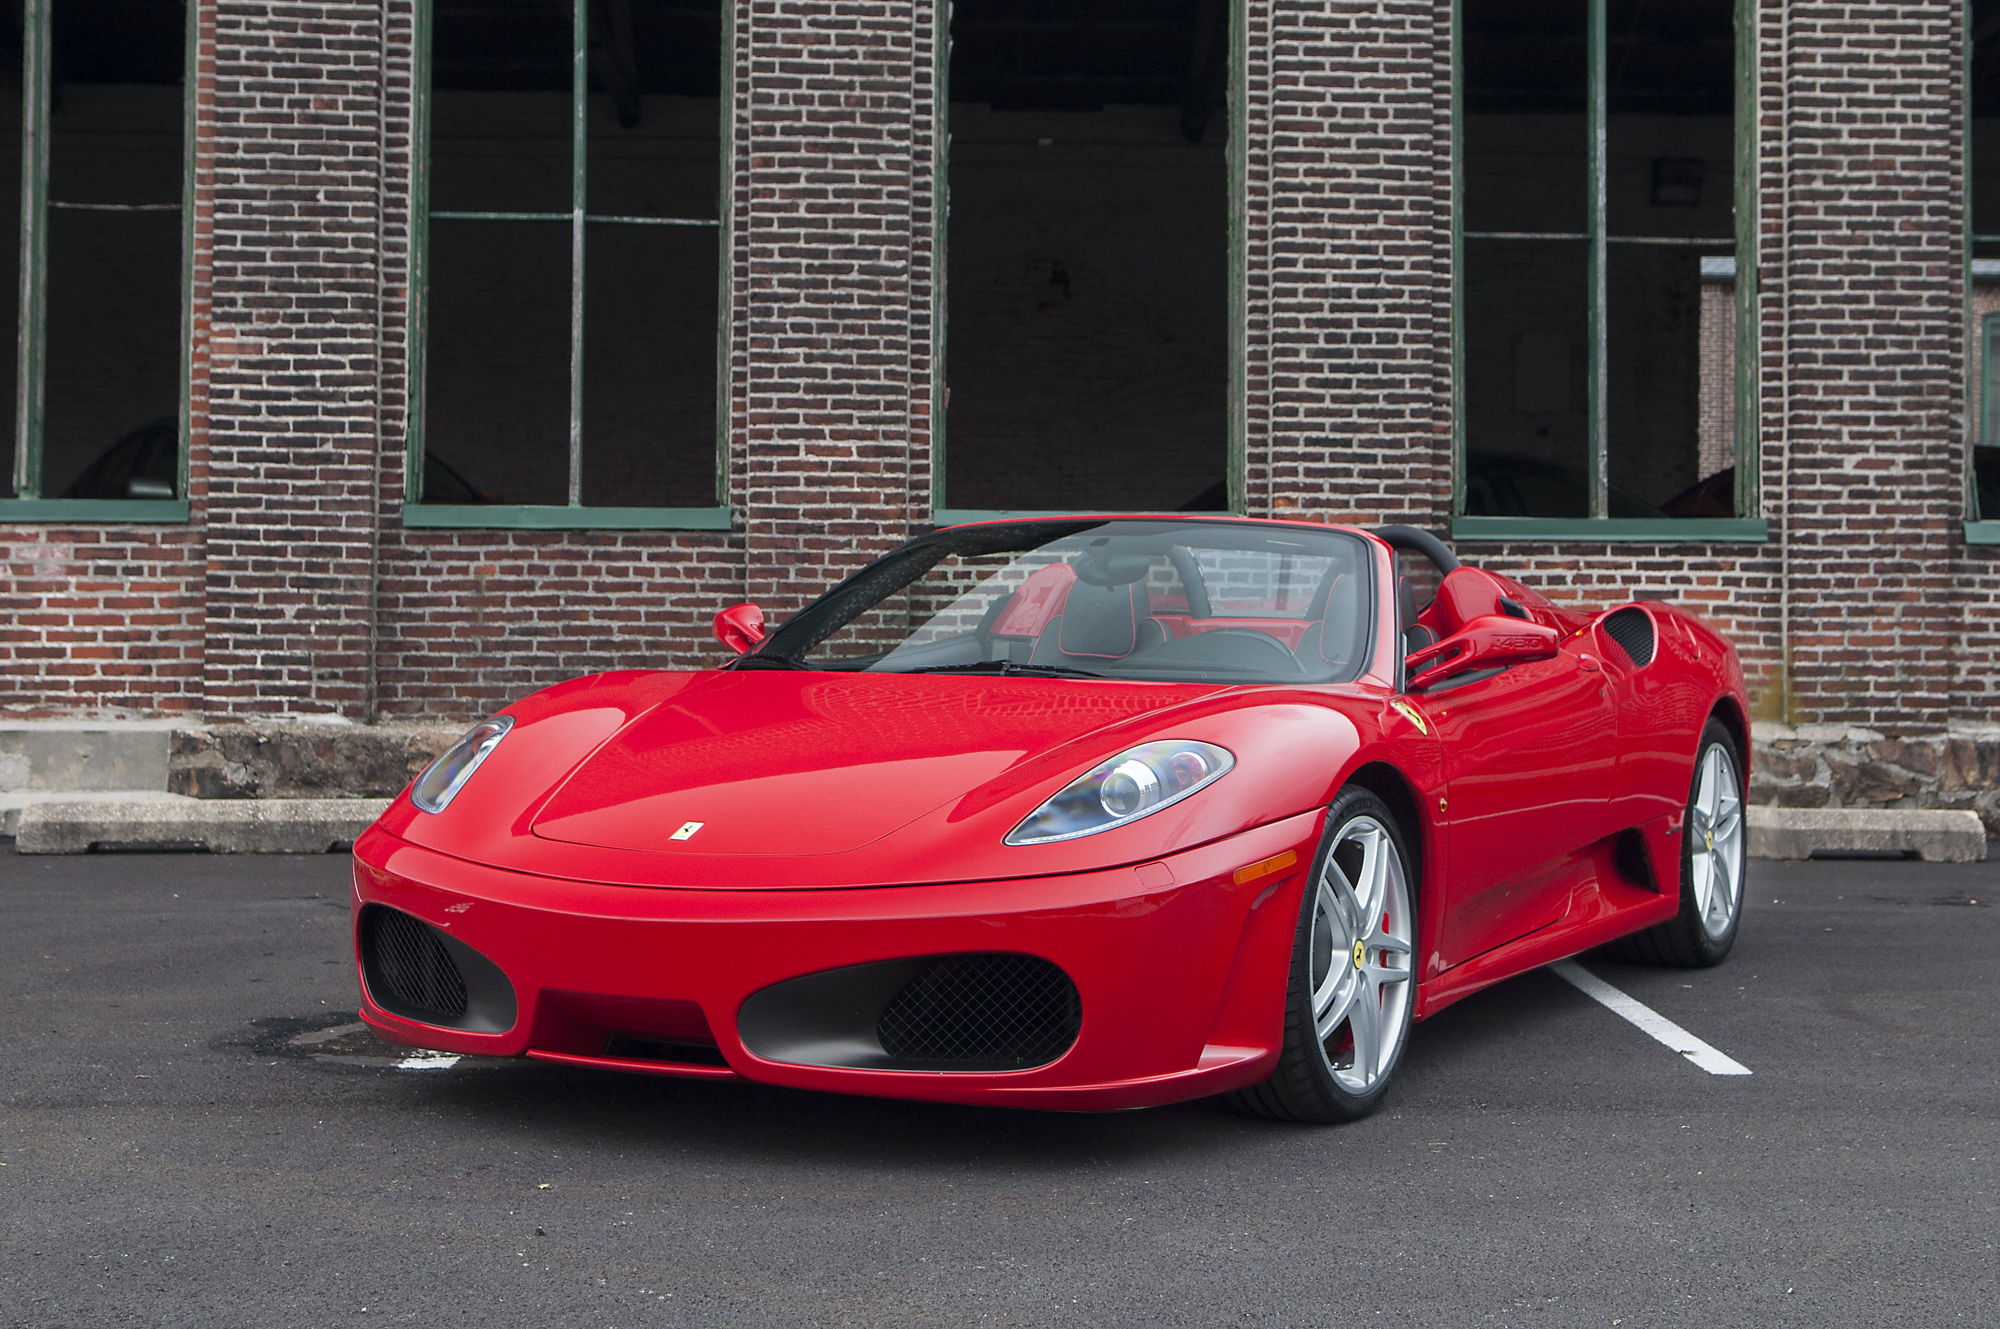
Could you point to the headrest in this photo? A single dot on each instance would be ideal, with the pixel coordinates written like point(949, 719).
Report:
point(1100, 567)
point(1102, 620)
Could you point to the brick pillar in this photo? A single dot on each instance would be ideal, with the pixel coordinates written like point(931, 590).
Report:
point(1868, 257)
point(293, 430)
point(832, 206)
point(1349, 226)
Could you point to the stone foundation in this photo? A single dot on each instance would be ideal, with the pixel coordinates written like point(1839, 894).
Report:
point(302, 760)
point(1834, 766)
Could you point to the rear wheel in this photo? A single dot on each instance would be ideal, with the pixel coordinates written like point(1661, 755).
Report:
point(1348, 1004)
point(1713, 853)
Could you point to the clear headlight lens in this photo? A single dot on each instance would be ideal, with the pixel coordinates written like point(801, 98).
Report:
point(1134, 784)
point(443, 778)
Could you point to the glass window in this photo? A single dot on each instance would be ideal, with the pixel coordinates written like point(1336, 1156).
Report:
point(1983, 144)
point(99, 378)
point(571, 261)
point(1598, 257)
point(1086, 355)
point(1167, 601)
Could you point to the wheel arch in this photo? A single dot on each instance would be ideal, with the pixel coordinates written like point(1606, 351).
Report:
point(1393, 788)
point(1731, 715)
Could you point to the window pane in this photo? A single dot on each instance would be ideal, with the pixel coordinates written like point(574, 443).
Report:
point(497, 346)
point(1087, 291)
point(1525, 403)
point(650, 300)
point(1984, 140)
point(1670, 101)
point(1526, 301)
point(496, 368)
point(10, 220)
point(500, 106)
point(649, 367)
point(112, 391)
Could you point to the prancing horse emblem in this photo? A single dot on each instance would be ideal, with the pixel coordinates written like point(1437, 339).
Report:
point(687, 830)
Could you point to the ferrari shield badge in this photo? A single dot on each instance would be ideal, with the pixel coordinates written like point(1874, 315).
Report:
point(1412, 714)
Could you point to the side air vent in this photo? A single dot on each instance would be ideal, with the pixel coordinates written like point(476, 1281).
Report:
point(1632, 629)
point(1006, 1010)
point(415, 971)
point(407, 964)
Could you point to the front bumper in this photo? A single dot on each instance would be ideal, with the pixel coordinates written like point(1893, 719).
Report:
point(1179, 967)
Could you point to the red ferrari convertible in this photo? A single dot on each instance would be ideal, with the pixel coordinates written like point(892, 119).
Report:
point(1070, 813)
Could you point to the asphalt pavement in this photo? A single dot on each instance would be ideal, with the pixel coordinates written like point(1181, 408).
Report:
point(187, 1137)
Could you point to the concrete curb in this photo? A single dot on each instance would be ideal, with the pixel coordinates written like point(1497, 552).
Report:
point(221, 826)
point(1935, 837)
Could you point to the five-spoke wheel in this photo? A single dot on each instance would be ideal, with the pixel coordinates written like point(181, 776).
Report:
point(1353, 977)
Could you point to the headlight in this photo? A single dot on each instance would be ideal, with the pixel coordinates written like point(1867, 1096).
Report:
point(443, 778)
point(1134, 784)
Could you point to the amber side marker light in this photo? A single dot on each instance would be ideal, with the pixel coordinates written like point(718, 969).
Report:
point(1277, 863)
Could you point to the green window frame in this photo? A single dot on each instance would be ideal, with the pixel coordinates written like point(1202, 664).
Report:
point(28, 505)
point(1598, 526)
point(1238, 158)
point(572, 515)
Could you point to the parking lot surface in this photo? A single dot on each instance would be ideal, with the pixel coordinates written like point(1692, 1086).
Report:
point(185, 1140)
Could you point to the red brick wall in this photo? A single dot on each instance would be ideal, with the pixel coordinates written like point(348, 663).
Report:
point(297, 589)
point(294, 431)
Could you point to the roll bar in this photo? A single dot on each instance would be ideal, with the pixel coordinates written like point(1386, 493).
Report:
point(1419, 542)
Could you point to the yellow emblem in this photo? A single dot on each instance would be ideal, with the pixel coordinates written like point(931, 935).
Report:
point(1360, 955)
point(1412, 714)
point(1711, 842)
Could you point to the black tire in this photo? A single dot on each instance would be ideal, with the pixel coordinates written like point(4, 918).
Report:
point(1702, 933)
point(1311, 1083)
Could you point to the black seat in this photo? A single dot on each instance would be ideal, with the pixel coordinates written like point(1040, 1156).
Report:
point(1098, 623)
point(1336, 605)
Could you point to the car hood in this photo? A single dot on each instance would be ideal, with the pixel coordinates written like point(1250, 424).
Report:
point(803, 780)
point(752, 763)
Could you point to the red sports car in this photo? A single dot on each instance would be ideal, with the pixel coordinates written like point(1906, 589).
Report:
point(1070, 813)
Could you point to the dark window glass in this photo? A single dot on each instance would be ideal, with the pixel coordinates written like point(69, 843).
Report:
point(1526, 297)
point(1984, 144)
point(499, 396)
point(113, 351)
point(1087, 292)
point(10, 218)
point(1665, 329)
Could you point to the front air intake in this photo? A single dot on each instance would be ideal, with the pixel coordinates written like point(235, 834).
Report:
point(409, 971)
point(1632, 629)
point(984, 1010)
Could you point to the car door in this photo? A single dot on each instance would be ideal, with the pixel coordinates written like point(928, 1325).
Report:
point(1529, 759)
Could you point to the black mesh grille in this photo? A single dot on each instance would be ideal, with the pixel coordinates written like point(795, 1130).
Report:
point(1012, 1010)
point(408, 967)
point(1632, 629)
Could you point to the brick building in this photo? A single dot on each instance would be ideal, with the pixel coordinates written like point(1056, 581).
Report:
point(388, 360)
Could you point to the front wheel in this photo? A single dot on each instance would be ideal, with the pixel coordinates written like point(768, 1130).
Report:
point(1348, 1004)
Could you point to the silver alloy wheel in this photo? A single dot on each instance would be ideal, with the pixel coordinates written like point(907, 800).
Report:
point(1362, 933)
point(1715, 842)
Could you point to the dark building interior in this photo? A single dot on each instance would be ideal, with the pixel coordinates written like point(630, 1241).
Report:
point(111, 343)
point(498, 381)
point(1670, 95)
point(1087, 344)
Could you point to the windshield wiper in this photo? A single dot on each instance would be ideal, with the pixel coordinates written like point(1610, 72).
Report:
point(1001, 667)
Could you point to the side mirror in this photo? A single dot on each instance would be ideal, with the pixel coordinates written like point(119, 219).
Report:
point(740, 627)
point(1489, 641)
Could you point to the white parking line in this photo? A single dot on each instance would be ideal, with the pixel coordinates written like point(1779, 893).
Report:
point(1648, 1020)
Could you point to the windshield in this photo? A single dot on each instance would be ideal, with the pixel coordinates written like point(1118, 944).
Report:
point(1166, 600)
